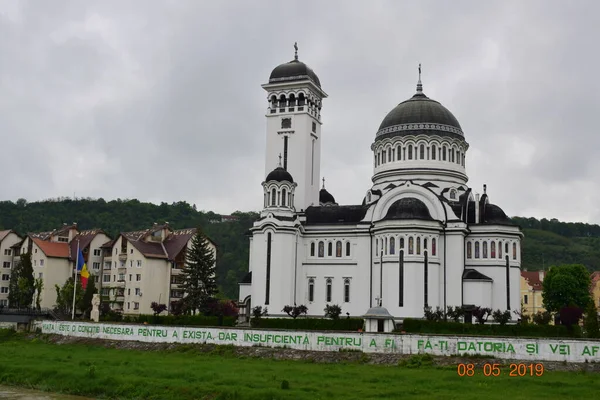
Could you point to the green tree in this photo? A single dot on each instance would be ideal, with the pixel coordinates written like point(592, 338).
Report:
point(22, 283)
point(590, 324)
point(64, 297)
point(566, 285)
point(88, 294)
point(199, 280)
point(39, 286)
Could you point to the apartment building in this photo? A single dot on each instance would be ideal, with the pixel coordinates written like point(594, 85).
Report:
point(531, 292)
point(53, 256)
point(144, 266)
point(8, 238)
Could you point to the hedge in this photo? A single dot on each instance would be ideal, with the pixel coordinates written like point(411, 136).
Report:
point(458, 328)
point(312, 324)
point(181, 320)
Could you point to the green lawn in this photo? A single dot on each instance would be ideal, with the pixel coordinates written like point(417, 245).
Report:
point(187, 373)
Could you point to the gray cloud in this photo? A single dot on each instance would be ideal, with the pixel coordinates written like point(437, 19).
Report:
point(161, 101)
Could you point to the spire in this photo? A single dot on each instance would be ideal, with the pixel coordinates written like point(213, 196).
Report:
point(296, 51)
point(419, 84)
point(484, 188)
point(323, 182)
point(279, 160)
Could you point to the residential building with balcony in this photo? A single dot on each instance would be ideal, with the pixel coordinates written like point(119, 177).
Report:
point(8, 238)
point(144, 266)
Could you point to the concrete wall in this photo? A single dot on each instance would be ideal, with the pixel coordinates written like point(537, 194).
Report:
point(532, 350)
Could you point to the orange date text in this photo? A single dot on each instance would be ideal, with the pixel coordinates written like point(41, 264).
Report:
point(515, 370)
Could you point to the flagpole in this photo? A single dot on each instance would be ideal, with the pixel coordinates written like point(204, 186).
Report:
point(75, 280)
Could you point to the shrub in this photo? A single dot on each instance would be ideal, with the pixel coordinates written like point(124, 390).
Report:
point(454, 313)
point(258, 312)
point(542, 318)
point(312, 324)
point(177, 307)
point(591, 321)
point(158, 308)
point(482, 314)
point(570, 316)
point(333, 311)
point(186, 320)
point(223, 308)
point(295, 311)
point(436, 315)
point(501, 317)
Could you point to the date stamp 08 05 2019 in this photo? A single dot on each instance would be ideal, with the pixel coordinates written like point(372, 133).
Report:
point(498, 370)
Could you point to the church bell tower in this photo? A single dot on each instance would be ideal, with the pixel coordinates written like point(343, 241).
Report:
point(294, 127)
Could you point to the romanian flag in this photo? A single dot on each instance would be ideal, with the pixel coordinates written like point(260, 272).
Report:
point(82, 269)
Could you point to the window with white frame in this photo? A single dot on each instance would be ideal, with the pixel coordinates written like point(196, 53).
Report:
point(137, 291)
point(7, 252)
point(97, 252)
point(96, 265)
point(347, 290)
point(6, 264)
point(139, 263)
point(106, 278)
point(136, 305)
point(4, 289)
point(311, 290)
point(328, 289)
point(5, 277)
point(138, 277)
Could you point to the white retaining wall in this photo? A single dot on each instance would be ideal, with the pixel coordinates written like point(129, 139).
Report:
point(505, 348)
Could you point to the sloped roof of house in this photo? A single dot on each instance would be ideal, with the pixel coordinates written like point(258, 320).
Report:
point(84, 238)
point(169, 248)
point(52, 249)
point(533, 279)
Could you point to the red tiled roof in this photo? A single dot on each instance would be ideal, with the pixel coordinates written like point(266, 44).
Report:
point(4, 234)
point(168, 249)
point(533, 278)
point(53, 249)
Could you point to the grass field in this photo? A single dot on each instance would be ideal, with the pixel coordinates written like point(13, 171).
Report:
point(187, 373)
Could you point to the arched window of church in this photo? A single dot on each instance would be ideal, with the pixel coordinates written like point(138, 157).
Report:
point(328, 290)
point(312, 249)
point(321, 249)
point(389, 154)
point(418, 245)
point(425, 243)
point(416, 157)
point(399, 156)
point(375, 160)
point(311, 290)
point(410, 152)
point(493, 249)
point(282, 102)
point(500, 249)
point(329, 249)
point(452, 155)
point(514, 251)
point(401, 243)
point(484, 249)
point(385, 245)
point(404, 153)
point(469, 250)
point(422, 152)
point(383, 157)
point(347, 290)
point(273, 196)
point(347, 249)
point(338, 249)
point(444, 153)
point(476, 249)
point(410, 245)
point(265, 200)
point(301, 100)
point(506, 248)
point(433, 152)
point(292, 100)
point(453, 194)
point(392, 245)
point(278, 197)
point(433, 247)
point(376, 247)
point(283, 197)
point(273, 102)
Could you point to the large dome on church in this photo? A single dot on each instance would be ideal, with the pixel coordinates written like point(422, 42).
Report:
point(419, 115)
point(293, 71)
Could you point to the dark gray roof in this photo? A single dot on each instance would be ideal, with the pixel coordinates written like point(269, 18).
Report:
point(293, 71)
point(279, 174)
point(378, 313)
point(325, 197)
point(474, 275)
point(335, 214)
point(408, 208)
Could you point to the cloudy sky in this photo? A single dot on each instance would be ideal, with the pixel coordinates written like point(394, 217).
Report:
point(161, 100)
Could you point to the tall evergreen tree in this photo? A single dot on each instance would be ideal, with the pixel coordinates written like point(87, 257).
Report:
point(199, 278)
point(88, 295)
point(22, 283)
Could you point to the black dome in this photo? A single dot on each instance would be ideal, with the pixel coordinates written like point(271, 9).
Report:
point(325, 197)
point(408, 208)
point(279, 174)
point(419, 114)
point(293, 71)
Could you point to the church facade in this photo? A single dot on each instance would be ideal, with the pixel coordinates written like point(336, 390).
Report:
point(420, 238)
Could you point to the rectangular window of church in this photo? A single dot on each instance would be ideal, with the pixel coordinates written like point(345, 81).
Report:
point(328, 290)
point(499, 249)
point(378, 158)
point(392, 245)
point(338, 249)
point(428, 153)
point(312, 249)
point(286, 123)
point(425, 243)
point(329, 249)
point(347, 249)
point(314, 127)
point(399, 156)
point(404, 153)
point(346, 290)
point(433, 246)
point(469, 250)
point(484, 249)
point(493, 249)
point(311, 290)
point(321, 249)
point(410, 245)
point(376, 247)
point(476, 249)
point(506, 248)
point(383, 157)
point(418, 245)
point(514, 251)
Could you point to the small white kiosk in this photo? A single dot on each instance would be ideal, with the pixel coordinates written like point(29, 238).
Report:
point(378, 319)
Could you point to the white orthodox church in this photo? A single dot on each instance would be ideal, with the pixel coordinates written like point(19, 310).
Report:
point(420, 238)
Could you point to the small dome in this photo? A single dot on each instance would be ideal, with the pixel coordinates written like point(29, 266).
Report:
point(325, 197)
point(293, 71)
point(378, 313)
point(408, 208)
point(280, 175)
point(495, 215)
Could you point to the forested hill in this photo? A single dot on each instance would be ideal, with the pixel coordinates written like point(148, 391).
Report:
point(547, 242)
point(131, 215)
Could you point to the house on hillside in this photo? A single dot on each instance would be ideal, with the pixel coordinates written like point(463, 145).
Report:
point(531, 292)
point(8, 238)
point(144, 266)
